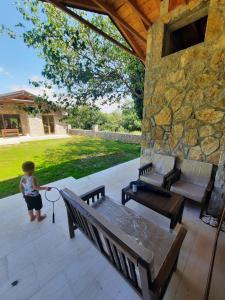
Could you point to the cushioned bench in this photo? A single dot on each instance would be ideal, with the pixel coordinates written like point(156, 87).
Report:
point(157, 171)
point(143, 253)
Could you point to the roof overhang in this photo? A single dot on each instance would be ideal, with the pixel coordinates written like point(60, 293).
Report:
point(132, 17)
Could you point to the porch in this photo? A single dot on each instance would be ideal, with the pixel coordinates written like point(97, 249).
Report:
point(49, 265)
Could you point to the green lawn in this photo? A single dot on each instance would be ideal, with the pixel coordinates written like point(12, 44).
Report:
point(57, 159)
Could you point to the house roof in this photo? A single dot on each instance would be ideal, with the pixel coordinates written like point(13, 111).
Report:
point(21, 96)
point(132, 17)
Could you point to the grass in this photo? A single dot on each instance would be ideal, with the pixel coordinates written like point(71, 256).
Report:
point(56, 159)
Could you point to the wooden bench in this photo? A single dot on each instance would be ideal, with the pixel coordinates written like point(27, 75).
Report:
point(142, 252)
point(10, 132)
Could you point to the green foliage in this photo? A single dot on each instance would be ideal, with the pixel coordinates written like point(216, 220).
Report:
point(83, 66)
point(84, 117)
point(113, 122)
point(130, 118)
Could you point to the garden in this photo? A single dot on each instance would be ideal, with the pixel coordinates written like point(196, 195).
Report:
point(77, 156)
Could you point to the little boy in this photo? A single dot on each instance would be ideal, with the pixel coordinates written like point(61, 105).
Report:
point(30, 189)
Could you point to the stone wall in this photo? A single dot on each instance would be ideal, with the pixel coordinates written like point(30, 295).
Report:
point(184, 103)
point(114, 136)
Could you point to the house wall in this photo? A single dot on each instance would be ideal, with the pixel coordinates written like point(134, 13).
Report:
point(10, 108)
point(184, 102)
point(60, 126)
point(36, 125)
point(37, 128)
point(33, 125)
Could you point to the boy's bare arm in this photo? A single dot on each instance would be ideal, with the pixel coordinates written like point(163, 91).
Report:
point(38, 187)
point(21, 188)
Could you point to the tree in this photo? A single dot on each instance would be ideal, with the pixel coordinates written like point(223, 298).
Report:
point(130, 119)
point(85, 117)
point(83, 66)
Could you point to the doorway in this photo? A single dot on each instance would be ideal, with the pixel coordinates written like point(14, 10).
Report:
point(49, 124)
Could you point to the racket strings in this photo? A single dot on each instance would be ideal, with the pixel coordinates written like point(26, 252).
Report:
point(53, 201)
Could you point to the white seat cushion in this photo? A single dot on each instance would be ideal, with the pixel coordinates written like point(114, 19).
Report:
point(189, 190)
point(153, 178)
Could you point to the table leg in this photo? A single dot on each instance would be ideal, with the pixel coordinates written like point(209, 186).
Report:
point(181, 213)
point(123, 197)
point(173, 222)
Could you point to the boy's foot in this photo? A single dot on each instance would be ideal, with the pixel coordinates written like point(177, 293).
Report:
point(41, 218)
point(32, 218)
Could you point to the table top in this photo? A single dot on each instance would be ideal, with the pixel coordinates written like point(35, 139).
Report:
point(158, 202)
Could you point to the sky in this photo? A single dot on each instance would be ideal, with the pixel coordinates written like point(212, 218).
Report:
point(18, 63)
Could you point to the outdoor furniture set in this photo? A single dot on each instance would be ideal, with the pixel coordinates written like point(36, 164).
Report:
point(144, 253)
point(193, 179)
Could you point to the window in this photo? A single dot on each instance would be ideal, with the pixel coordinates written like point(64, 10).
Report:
point(178, 37)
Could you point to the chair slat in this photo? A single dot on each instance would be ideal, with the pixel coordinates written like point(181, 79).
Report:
point(132, 272)
point(109, 250)
point(116, 256)
point(123, 264)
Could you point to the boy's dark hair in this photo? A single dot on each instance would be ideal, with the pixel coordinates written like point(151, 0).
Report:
point(28, 166)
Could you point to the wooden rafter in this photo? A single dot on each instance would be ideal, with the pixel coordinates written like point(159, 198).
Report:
point(141, 15)
point(131, 41)
point(91, 26)
point(110, 11)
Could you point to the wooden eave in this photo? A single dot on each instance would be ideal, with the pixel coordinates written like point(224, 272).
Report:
point(132, 17)
point(17, 97)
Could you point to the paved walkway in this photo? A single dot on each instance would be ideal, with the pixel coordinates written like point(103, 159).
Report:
point(50, 266)
point(22, 139)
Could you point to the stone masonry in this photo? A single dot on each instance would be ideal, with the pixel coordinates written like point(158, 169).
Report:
point(184, 103)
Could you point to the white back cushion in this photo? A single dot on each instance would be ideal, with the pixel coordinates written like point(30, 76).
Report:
point(162, 164)
point(196, 172)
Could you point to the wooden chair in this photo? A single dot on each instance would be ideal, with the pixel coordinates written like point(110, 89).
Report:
point(193, 181)
point(134, 262)
point(157, 172)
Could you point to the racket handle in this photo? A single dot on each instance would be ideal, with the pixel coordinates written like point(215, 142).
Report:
point(53, 218)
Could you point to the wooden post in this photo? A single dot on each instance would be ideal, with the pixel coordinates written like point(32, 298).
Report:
point(164, 7)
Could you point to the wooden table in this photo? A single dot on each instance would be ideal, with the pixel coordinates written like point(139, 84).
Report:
point(171, 207)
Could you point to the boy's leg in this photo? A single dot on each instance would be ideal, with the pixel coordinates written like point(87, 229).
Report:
point(40, 217)
point(31, 215)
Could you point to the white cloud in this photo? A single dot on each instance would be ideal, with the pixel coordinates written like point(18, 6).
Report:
point(3, 71)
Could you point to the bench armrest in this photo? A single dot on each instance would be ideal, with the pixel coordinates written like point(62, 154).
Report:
point(210, 185)
point(173, 177)
point(144, 169)
point(94, 194)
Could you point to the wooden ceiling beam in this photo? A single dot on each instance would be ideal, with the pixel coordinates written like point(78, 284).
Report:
point(91, 26)
point(131, 41)
point(139, 13)
point(110, 11)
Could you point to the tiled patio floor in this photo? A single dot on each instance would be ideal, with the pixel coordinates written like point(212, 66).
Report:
point(50, 266)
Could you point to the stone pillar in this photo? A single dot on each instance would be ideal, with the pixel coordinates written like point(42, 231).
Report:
point(95, 128)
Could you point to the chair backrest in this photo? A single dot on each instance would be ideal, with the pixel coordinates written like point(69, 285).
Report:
point(163, 164)
point(196, 172)
point(132, 260)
